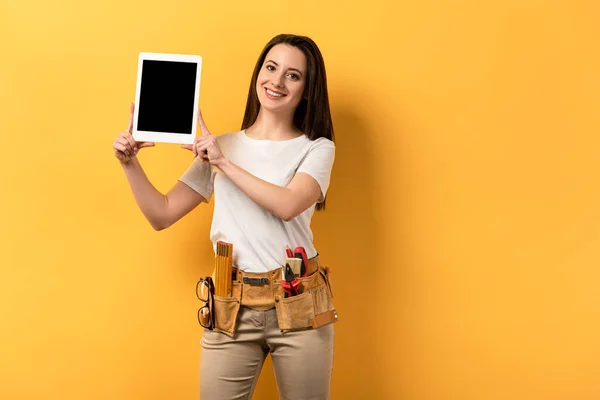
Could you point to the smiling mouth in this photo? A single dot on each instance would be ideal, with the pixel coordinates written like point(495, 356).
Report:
point(273, 94)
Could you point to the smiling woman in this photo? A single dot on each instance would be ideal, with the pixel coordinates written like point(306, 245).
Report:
point(268, 179)
point(281, 81)
point(291, 69)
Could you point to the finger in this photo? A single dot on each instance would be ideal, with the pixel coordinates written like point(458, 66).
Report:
point(130, 125)
point(123, 141)
point(203, 150)
point(203, 128)
point(204, 142)
point(145, 144)
point(187, 147)
point(204, 139)
point(131, 142)
point(121, 148)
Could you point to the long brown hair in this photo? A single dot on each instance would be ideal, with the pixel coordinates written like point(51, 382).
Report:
point(312, 116)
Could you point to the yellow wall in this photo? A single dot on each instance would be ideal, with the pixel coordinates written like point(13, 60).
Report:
point(464, 213)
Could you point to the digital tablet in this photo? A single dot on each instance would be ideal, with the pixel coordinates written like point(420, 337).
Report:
point(166, 98)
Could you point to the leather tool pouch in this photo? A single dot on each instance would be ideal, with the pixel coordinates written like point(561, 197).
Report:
point(312, 308)
point(254, 291)
point(226, 309)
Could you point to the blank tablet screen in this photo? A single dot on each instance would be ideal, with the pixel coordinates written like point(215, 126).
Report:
point(166, 101)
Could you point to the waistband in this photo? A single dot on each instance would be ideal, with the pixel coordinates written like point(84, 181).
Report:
point(312, 267)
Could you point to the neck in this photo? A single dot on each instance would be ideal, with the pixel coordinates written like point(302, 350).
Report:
point(272, 126)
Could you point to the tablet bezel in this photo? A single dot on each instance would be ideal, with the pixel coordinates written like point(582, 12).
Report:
point(166, 137)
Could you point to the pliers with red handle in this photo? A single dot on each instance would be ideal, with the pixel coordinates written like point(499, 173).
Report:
point(290, 285)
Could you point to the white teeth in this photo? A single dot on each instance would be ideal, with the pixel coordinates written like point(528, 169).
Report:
point(274, 94)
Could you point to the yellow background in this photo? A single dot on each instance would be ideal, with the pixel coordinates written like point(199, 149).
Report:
point(464, 214)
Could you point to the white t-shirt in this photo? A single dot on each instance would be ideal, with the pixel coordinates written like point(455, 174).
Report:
point(259, 238)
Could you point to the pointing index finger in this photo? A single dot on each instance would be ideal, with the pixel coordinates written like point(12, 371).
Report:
point(203, 128)
point(130, 125)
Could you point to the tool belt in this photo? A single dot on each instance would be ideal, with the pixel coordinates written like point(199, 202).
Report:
point(311, 308)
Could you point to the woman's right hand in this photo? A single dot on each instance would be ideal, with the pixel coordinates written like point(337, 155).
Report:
point(125, 148)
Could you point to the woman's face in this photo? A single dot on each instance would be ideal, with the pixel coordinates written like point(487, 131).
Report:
point(282, 78)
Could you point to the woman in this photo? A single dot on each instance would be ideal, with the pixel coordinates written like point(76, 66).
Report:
point(267, 179)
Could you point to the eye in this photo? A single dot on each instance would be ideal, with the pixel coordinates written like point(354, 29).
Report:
point(294, 77)
point(270, 67)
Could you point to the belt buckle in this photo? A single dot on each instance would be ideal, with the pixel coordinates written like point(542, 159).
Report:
point(256, 281)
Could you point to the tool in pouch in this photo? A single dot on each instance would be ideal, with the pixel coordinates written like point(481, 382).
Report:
point(217, 285)
point(300, 253)
point(296, 266)
point(300, 267)
point(290, 283)
point(295, 263)
point(223, 269)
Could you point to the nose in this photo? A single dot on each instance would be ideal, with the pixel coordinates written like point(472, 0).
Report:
point(278, 80)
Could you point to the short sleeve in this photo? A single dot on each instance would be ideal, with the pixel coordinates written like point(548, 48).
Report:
point(318, 163)
point(199, 177)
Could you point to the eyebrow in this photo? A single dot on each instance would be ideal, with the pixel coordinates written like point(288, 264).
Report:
point(291, 69)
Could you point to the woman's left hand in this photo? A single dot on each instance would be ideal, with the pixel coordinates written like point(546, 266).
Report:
point(205, 146)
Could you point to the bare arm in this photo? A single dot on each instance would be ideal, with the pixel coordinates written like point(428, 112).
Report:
point(160, 210)
point(284, 202)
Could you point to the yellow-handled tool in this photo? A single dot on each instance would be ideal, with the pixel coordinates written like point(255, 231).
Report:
point(223, 269)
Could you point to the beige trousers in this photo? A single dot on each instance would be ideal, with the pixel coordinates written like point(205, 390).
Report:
point(302, 360)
